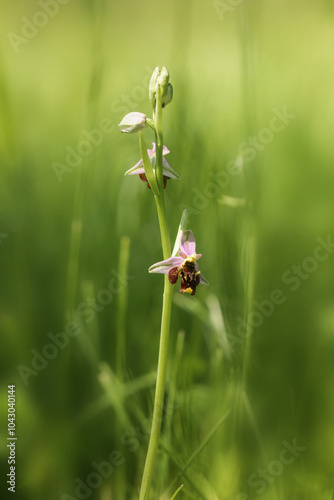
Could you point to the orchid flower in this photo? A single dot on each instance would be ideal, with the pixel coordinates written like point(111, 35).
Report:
point(168, 171)
point(184, 264)
point(133, 122)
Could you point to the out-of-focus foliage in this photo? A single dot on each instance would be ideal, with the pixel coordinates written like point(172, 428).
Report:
point(250, 132)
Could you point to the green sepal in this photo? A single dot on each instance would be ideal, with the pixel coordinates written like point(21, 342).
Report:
point(167, 96)
point(182, 228)
point(152, 86)
point(150, 123)
point(163, 80)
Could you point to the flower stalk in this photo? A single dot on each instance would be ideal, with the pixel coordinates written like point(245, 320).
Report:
point(154, 169)
point(166, 310)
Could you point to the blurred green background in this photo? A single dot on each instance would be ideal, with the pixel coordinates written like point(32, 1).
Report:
point(250, 131)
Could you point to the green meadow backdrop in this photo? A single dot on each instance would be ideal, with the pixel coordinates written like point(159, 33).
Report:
point(249, 405)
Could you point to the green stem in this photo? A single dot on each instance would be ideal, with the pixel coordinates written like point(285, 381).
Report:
point(160, 204)
point(166, 315)
point(159, 391)
point(124, 255)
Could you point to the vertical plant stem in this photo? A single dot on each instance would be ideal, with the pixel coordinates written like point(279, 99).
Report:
point(250, 179)
point(249, 305)
point(97, 7)
point(76, 230)
point(124, 254)
point(163, 226)
point(123, 264)
point(159, 391)
point(171, 403)
point(166, 314)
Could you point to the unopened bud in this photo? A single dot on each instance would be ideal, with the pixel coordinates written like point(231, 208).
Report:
point(163, 79)
point(133, 122)
point(168, 96)
point(160, 77)
point(152, 85)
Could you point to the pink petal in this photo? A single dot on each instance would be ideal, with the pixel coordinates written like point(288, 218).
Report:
point(164, 266)
point(151, 152)
point(136, 171)
point(188, 243)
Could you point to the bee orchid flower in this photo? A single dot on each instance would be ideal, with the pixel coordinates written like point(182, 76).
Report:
point(184, 264)
point(168, 171)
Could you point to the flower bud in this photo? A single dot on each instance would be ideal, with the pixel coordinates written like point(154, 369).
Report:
point(152, 85)
point(163, 79)
point(133, 122)
point(168, 96)
point(160, 77)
